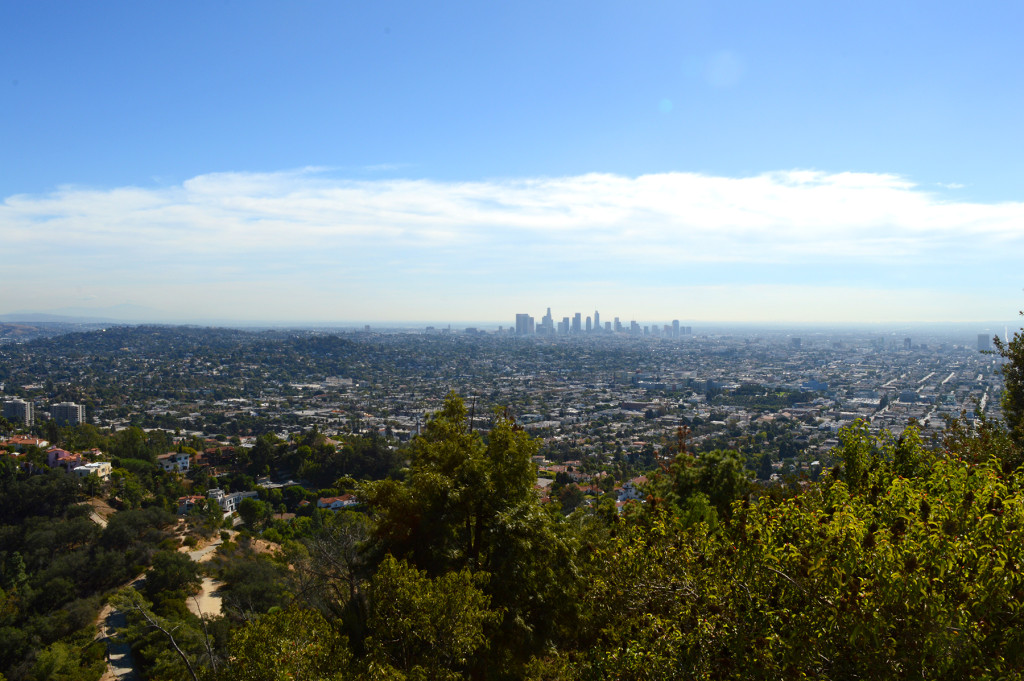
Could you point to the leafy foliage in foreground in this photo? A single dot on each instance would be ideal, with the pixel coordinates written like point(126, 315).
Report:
point(907, 577)
point(902, 562)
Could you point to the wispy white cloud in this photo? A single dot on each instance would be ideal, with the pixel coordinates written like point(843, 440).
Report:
point(307, 228)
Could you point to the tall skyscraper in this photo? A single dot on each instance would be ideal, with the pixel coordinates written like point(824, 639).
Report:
point(675, 328)
point(21, 411)
point(984, 342)
point(547, 325)
point(589, 327)
point(68, 414)
point(577, 323)
point(597, 320)
point(524, 325)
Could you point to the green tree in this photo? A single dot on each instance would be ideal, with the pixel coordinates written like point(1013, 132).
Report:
point(570, 497)
point(262, 454)
point(52, 433)
point(719, 475)
point(916, 577)
point(254, 584)
point(63, 662)
point(142, 619)
point(84, 436)
point(457, 488)
point(470, 504)
point(426, 628)
point(981, 439)
point(288, 644)
point(910, 458)
point(252, 511)
point(1012, 350)
point(131, 491)
point(174, 572)
point(130, 443)
point(857, 449)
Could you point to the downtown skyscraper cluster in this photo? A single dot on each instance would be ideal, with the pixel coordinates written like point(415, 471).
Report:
point(526, 325)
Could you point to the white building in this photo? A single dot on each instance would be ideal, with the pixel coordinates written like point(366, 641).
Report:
point(336, 503)
point(100, 469)
point(68, 414)
point(631, 489)
point(20, 411)
point(229, 502)
point(173, 461)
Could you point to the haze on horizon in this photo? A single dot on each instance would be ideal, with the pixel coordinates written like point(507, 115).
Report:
point(726, 162)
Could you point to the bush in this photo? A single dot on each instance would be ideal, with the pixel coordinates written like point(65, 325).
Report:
point(173, 572)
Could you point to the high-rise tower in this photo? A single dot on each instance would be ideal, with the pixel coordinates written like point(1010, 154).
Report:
point(547, 324)
point(20, 410)
point(68, 414)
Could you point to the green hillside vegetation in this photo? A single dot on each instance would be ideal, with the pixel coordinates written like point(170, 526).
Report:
point(902, 561)
point(55, 564)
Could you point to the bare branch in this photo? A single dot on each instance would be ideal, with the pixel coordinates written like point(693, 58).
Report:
point(132, 598)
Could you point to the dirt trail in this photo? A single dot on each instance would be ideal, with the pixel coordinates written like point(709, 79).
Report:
point(101, 510)
point(206, 603)
point(120, 664)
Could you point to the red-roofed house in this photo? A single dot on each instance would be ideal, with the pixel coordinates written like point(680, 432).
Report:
point(631, 490)
point(186, 504)
point(20, 442)
point(61, 458)
point(336, 503)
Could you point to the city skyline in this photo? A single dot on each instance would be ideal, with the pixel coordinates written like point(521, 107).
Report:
point(327, 163)
point(525, 325)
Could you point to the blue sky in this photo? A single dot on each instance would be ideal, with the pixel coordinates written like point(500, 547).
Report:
point(326, 161)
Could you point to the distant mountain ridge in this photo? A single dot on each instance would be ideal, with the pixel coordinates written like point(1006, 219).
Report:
point(125, 313)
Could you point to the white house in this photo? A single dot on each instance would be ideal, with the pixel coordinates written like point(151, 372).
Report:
point(631, 489)
point(228, 502)
point(174, 461)
point(100, 469)
point(336, 503)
